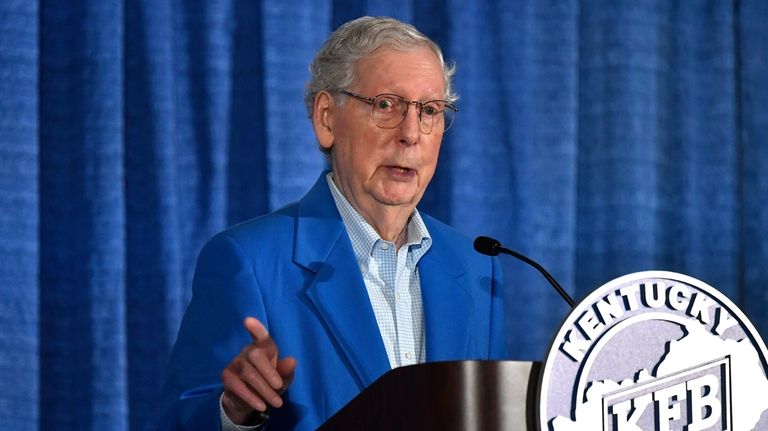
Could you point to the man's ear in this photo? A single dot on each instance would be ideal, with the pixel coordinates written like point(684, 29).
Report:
point(322, 118)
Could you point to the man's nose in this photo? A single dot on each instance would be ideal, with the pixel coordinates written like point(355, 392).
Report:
point(411, 125)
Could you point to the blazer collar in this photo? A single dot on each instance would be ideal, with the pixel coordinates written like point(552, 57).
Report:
point(338, 292)
point(447, 301)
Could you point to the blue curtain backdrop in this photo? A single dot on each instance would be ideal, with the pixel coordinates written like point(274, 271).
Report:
point(598, 137)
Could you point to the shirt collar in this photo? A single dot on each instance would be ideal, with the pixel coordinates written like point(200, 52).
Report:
point(364, 237)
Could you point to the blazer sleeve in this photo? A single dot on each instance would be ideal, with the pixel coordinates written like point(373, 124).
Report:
point(224, 292)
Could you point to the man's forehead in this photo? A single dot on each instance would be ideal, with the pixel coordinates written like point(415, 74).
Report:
point(387, 70)
point(386, 52)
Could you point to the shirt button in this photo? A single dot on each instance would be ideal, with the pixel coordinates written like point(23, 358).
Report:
point(408, 355)
point(384, 246)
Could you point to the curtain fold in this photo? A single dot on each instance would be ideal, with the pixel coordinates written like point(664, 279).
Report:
point(82, 217)
point(752, 123)
point(599, 138)
point(155, 276)
point(19, 220)
point(298, 28)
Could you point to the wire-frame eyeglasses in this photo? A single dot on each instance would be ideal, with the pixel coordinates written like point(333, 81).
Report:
point(389, 110)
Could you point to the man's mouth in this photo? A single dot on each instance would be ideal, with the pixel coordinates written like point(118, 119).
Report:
point(401, 171)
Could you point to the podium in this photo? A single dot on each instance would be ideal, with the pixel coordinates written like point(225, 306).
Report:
point(653, 350)
point(460, 395)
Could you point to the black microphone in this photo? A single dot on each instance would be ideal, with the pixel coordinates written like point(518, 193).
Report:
point(493, 247)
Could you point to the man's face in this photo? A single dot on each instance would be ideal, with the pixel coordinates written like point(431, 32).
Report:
point(378, 168)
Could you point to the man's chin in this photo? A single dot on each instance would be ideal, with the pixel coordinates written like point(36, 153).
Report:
point(401, 199)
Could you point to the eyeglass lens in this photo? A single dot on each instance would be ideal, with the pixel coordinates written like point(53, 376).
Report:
point(389, 110)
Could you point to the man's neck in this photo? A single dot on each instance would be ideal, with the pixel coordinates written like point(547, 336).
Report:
point(391, 225)
point(389, 221)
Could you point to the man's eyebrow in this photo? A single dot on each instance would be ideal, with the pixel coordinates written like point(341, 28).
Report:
point(429, 96)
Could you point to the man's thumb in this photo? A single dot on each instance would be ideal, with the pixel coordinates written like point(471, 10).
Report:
point(285, 368)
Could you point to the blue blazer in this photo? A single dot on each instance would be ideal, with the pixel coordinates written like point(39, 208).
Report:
point(295, 270)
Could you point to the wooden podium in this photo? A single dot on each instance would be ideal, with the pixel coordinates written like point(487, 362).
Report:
point(461, 395)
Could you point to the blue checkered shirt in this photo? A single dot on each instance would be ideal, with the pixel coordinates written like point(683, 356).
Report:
point(391, 277)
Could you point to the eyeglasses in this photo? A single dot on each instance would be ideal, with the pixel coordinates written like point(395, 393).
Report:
point(389, 110)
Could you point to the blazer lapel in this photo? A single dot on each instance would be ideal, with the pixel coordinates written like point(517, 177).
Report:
point(337, 291)
point(448, 305)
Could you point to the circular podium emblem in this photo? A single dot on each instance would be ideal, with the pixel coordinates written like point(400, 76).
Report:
point(655, 351)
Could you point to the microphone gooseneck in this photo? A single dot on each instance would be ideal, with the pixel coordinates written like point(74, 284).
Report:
point(492, 247)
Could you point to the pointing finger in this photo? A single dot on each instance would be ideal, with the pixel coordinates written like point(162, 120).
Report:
point(261, 338)
point(257, 330)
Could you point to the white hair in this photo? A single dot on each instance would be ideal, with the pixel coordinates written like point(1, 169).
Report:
point(334, 65)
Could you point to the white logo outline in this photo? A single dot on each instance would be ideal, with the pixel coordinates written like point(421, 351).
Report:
point(586, 362)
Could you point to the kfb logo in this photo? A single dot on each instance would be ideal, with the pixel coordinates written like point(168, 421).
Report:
point(655, 351)
point(694, 400)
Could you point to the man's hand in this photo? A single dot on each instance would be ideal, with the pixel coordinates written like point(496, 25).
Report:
point(256, 377)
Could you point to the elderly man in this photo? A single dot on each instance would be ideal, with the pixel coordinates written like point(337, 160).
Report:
point(294, 313)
